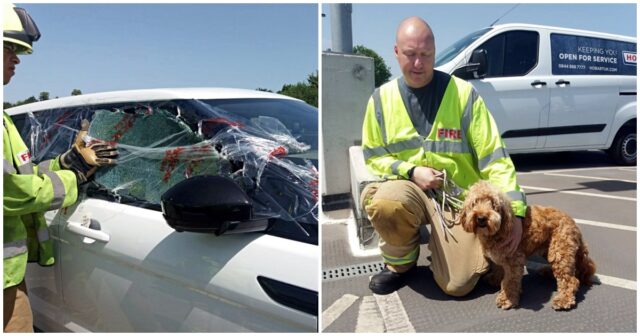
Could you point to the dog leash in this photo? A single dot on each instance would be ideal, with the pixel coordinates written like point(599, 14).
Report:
point(448, 195)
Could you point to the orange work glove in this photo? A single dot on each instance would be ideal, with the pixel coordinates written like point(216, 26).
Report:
point(85, 159)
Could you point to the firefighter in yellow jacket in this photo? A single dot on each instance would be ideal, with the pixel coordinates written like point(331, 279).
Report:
point(30, 190)
point(419, 130)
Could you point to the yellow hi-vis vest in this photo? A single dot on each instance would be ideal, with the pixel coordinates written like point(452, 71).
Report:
point(464, 140)
point(29, 191)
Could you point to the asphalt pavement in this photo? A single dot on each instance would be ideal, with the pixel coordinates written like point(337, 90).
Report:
point(598, 194)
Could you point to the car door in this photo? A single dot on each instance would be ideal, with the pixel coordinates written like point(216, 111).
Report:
point(514, 91)
point(45, 287)
point(125, 269)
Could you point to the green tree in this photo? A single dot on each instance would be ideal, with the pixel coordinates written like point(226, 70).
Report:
point(263, 90)
point(307, 91)
point(76, 92)
point(6, 105)
point(382, 72)
point(29, 100)
point(43, 96)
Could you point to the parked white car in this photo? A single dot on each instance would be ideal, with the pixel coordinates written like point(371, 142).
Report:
point(207, 224)
point(553, 89)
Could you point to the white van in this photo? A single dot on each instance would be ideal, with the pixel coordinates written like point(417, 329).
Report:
point(553, 89)
point(207, 224)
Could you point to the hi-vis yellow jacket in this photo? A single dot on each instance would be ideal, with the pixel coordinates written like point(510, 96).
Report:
point(464, 140)
point(29, 191)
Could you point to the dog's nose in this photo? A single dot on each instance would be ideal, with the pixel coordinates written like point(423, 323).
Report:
point(482, 221)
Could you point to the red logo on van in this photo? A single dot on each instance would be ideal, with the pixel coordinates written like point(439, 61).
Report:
point(629, 57)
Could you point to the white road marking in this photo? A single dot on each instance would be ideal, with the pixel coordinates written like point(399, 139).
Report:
point(616, 282)
point(579, 193)
point(332, 313)
point(369, 317)
point(603, 279)
point(395, 317)
point(606, 225)
point(590, 177)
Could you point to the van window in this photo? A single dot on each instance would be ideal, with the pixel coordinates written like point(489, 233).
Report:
point(513, 53)
point(581, 55)
point(453, 50)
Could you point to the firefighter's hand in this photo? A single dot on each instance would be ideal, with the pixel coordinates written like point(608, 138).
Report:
point(427, 178)
point(85, 159)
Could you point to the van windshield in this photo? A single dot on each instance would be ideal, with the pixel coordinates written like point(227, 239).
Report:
point(453, 50)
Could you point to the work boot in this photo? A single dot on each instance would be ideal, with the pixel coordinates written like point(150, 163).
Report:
point(387, 281)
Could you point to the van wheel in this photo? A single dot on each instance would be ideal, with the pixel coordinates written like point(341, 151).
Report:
point(624, 148)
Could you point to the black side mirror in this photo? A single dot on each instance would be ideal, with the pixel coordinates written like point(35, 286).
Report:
point(476, 68)
point(210, 204)
point(479, 57)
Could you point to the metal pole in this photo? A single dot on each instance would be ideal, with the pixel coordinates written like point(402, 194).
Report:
point(341, 36)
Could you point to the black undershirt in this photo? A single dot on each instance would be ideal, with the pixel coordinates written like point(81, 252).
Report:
point(423, 103)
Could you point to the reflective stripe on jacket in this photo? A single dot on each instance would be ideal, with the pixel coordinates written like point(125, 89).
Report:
point(464, 140)
point(28, 192)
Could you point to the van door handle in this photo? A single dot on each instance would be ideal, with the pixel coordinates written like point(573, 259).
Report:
point(89, 232)
point(563, 82)
point(538, 83)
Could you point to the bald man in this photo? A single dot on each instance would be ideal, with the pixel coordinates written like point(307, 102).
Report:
point(418, 130)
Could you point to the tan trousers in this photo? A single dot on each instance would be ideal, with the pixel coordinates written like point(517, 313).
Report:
point(17, 310)
point(396, 210)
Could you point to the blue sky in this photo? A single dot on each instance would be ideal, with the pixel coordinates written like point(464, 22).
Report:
point(374, 25)
point(105, 47)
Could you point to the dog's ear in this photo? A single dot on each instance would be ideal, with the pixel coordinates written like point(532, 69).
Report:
point(506, 212)
point(466, 224)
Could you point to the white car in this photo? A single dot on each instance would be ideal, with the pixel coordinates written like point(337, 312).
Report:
point(233, 171)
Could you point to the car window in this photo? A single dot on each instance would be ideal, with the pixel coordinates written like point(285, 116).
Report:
point(49, 133)
point(513, 53)
point(276, 140)
point(156, 151)
point(291, 121)
point(268, 147)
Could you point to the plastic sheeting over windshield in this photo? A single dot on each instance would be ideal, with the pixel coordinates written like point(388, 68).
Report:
point(159, 147)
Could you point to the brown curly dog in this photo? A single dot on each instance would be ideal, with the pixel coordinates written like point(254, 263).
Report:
point(545, 231)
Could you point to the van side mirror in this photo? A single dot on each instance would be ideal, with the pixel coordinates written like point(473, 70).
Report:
point(479, 57)
point(210, 204)
point(476, 68)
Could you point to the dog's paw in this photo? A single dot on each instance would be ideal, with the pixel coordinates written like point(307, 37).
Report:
point(563, 302)
point(504, 302)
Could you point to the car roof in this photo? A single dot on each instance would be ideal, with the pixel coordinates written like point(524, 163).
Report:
point(580, 32)
point(145, 95)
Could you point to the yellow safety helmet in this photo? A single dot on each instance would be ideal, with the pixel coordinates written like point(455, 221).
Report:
point(19, 28)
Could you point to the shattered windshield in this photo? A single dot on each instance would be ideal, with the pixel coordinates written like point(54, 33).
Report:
point(268, 146)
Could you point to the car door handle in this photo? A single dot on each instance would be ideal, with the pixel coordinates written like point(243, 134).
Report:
point(538, 83)
point(81, 230)
point(563, 82)
point(289, 295)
